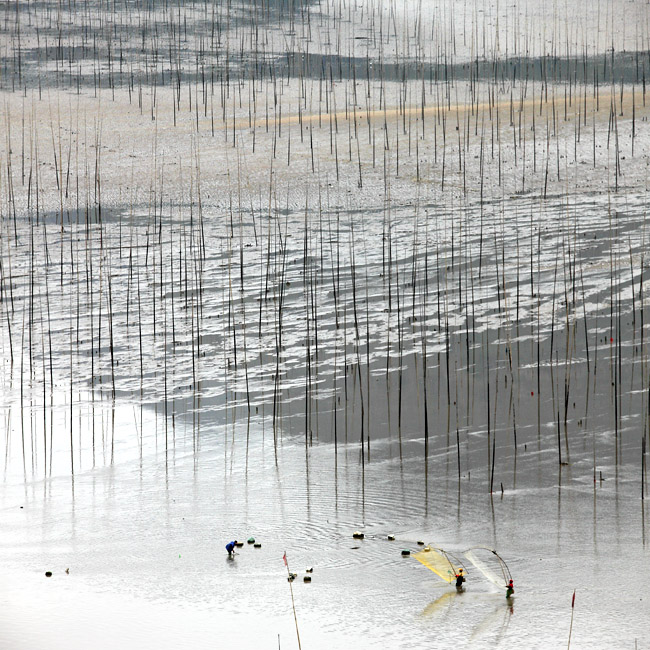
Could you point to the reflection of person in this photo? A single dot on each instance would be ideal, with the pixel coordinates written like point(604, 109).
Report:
point(510, 589)
point(460, 578)
point(230, 547)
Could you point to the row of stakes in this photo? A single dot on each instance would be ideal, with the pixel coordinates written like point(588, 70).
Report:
point(391, 538)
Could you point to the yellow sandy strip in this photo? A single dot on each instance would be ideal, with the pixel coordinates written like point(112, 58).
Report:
point(578, 103)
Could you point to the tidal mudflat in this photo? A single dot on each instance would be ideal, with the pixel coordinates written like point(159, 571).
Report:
point(291, 270)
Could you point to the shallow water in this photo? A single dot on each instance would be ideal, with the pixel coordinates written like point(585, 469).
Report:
point(144, 544)
point(380, 268)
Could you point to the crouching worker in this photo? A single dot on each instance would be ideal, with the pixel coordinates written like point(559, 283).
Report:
point(230, 547)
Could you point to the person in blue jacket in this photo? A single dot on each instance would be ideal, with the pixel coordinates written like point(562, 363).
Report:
point(230, 547)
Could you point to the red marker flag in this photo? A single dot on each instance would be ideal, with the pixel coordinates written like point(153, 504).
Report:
point(573, 602)
point(284, 557)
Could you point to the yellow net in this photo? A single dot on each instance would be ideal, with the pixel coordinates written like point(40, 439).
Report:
point(438, 561)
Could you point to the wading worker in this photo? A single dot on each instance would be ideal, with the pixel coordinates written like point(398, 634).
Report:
point(460, 578)
point(230, 547)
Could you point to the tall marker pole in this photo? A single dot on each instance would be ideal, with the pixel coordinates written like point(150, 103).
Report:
point(573, 602)
point(293, 604)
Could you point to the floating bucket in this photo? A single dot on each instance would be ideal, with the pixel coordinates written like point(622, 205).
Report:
point(257, 545)
point(405, 552)
point(48, 574)
point(357, 535)
point(391, 538)
point(307, 579)
point(251, 540)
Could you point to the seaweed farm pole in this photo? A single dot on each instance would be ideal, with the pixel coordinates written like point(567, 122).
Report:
point(458, 452)
point(308, 333)
point(494, 451)
point(487, 352)
point(334, 410)
point(166, 416)
point(356, 334)
point(424, 349)
point(367, 353)
point(642, 467)
point(71, 406)
point(111, 342)
point(559, 444)
point(22, 387)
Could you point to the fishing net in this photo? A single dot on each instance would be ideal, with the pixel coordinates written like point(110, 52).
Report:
point(490, 564)
point(439, 562)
